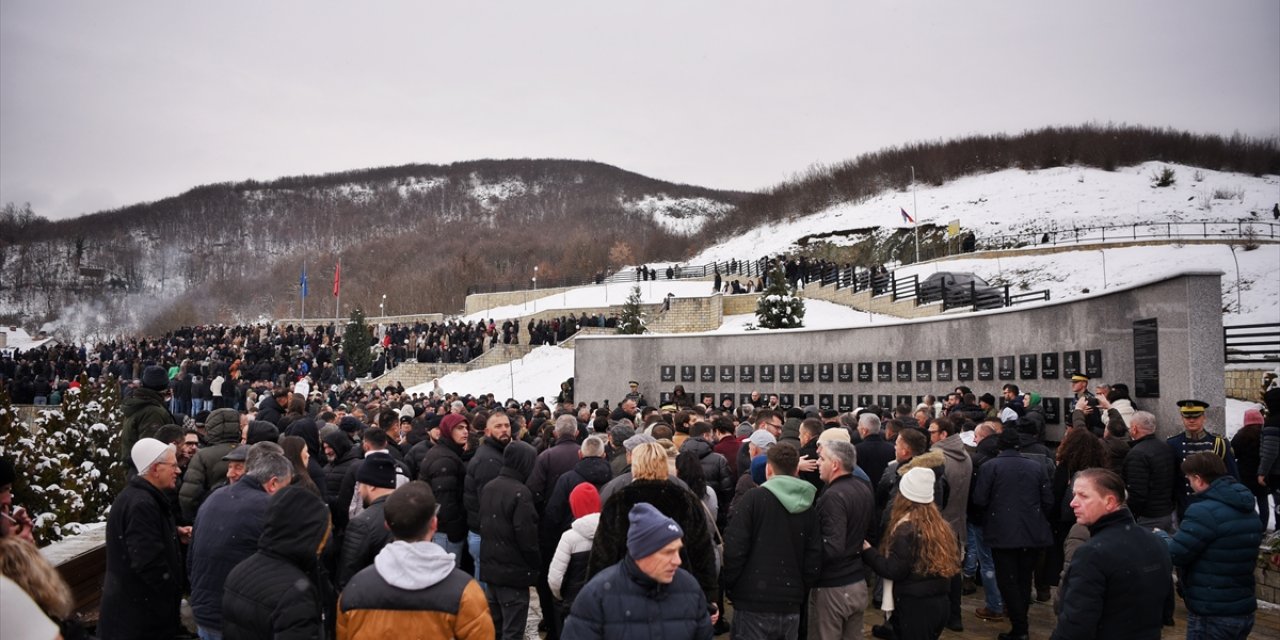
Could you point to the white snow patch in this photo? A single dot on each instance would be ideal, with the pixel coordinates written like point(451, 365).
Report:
point(681, 216)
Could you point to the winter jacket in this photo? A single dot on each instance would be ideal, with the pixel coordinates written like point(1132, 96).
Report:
point(846, 510)
point(557, 515)
point(365, 536)
point(444, 470)
point(207, 468)
point(1216, 547)
point(1015, 497)
point(483, 467)
point(281, 592)
point(899, 566)
point(675, 502)
point(874, 454)
point(1183, 446)
point(623, 479)
point(887, 490)
point(270, 411)
point(142, 588)
point(1117, 585)
point(509, 522)
point(347, 455)
point(226, 532)
point(1148, 473)
point(728, 447)
point(568, 570)
point(413, 592)
point(773, 547)
point(1269, 451)
point(715, 468)
point(622, 603)
point(959, 472)
point(550, 465)
point(144, 411)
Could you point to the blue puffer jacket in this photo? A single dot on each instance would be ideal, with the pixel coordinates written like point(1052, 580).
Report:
point(1216, 548)
point(622, 603)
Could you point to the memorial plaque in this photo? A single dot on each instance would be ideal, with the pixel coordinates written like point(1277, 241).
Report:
point(1146, 359)
point(964, 369)
point(845, 373)
point(844, 402)
point(766, 373)
point(806, 373)
point(1093, 363)
point(826, 401)
point(884, 372)
point(806, 400)
point(1007, 372)
point(865, 400)
point(708, 373)
point(747, 373)
point(904, 371)
point(864, 372)
point(786, 400)
point(726, 396)
point(688, 373)
point(744, 398)
point(668, 373)
point(1052, 411)
point(1027, 366)
point(786, 373)
point(726, 373)
point(884, 401)
point(826, 372)
point(664, 398)
point(1049, 366)
point(944, 371)
point(986, 369)
point(903, 401)
point(924, 371)
point(1070, 363)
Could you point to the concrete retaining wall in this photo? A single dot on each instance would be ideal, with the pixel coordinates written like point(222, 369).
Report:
point(1100, 326)
point(1245, 384)
point(477, 302)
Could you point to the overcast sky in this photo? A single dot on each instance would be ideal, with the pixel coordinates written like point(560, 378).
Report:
point(104, 104)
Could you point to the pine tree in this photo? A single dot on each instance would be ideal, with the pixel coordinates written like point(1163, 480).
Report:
point(356, 341)
point(631, 320)
point(779, 306)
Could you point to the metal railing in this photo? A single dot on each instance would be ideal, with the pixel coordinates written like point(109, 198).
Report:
point(1250, 343)
point(1242, 230)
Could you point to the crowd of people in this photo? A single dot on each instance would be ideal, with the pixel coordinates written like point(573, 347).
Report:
point(436, 516)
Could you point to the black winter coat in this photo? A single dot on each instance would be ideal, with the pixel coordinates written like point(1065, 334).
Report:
point(271, 411)
point(1014, 494)
point(550, 465)
point(335, 471)
point(483, 467)
point(874, 454)
point(1149, 477)
point(557, 515)
point(280, 592)
point(509, 522)
point(444, 470)
point(771, 556)
point(846, 510)
point(715, 470)
point(226, 532)
point(899, 566)
point(366, 535)
point(144, 581)
point(622, 603)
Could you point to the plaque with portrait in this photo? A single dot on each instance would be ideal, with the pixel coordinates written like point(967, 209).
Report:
point(766, 373)
point(786, 400)
point(664, 398)
point(924, 371)
point(1007, 371)
point(668, 373)
point(884, 372)
point(1027, 366)
point(708, 373)
point(964, 369)
point(845, 372)
point(844, 402)
point(885, 401)
point(904, 371)
point(865, 373)
point(1049, 366)
point(1052, 410)
point(806, 373)
point(747, 373)
point(826, 401)
point(1070, 363)
point(944, 370)
point(1093, 363)
point(744, 398)
point(826, 372)
point(903, 401)
point(806, 399)
point(786, 373)
point(688, 373)
point(724, 397)
point(726, 373)
point(865, 400)
point(986, 368)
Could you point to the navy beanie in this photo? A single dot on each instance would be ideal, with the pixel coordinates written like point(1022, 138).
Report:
point(650, 531)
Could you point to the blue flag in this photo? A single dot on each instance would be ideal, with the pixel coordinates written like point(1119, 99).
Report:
point(302, 282)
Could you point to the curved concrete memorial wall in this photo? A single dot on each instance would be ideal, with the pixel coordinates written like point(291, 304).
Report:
point(1162, 338)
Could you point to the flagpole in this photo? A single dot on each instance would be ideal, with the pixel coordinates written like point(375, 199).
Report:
point(303, 292)
point(337, 293)
point(915, 206)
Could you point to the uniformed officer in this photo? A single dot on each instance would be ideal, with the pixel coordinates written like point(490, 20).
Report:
point(1196, 439)
point(1087, 403)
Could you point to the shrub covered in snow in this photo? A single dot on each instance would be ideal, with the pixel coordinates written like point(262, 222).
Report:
point(631, 318)
point(779, 306)
point(68, 474)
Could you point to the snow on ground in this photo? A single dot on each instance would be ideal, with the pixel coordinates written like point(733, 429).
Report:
point(538, 374)
point(818, 314)
point(616, 293)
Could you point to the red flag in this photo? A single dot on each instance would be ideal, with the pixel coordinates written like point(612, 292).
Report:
point(906, 217)
point(337, 278)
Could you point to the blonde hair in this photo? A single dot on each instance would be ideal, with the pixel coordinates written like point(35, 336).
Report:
point(649, 462)
point(21, 562)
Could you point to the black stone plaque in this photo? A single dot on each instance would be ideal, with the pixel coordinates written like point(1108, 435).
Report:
point(1070, 363)
point(924, 371)
point(1027, 366)
point(884, 401)
point(726, 396)
point(903, 401)
point(986, 369)
point(726, 373)
point(1052, 410)
point(806, 374)
point(865, 400)
point(747, 373)
point(786, 373)
point(664, 398)
point(766, 373)
point(964, 369)
point(944, 371)
point(786, 400)
point(668, 373)
point(688, 373)
point(884, 372)
point(708, 373)
point(864, 372)
point(1049, 366)
point(904, 371)
point(744, 398)
point(845, 372)
point(826, 401)
point(806, 399)
point(1146, 359)
point(844, 402)
point(1007, 372)
point(826, 372)
point(1093, 363)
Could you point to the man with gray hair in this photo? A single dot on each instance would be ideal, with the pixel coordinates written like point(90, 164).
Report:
point(845, 510)
point(874, 452)
point(1149, 474)
point(227, 528)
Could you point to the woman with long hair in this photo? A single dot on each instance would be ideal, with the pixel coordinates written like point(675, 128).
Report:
point(1079, 450)
point(295, 450)
point(917, 558)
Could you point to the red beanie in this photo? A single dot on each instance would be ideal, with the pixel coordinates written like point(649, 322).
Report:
point(584, 500)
